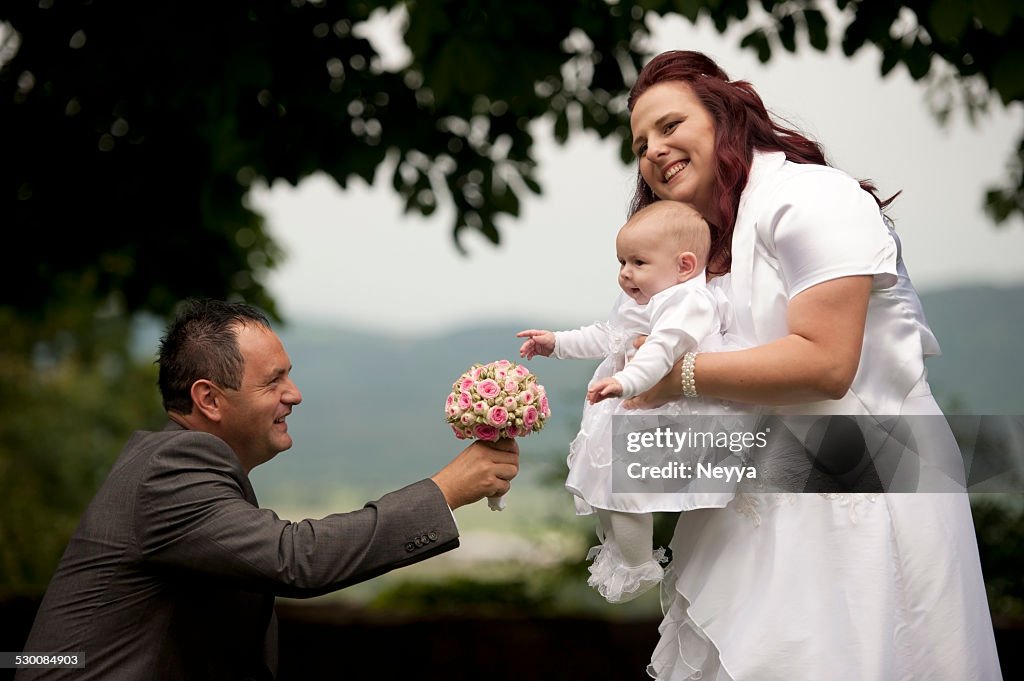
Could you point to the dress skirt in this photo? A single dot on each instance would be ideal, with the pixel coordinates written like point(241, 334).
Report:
point(845, 587)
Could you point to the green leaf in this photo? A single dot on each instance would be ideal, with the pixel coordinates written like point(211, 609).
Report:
point(689, 8)
point(996, 15)
point(491, 232)
point(532, 184)
point(506, 201)
point(817, 29)
point(1006, 77)
point(561, 127)
point(787, 32)
point(855, 36)
point(918, 60)
point(890, 58)
point(949, 18)
point(758, 40)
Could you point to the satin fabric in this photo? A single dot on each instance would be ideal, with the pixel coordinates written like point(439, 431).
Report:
point(700, 313)
point(845, 587)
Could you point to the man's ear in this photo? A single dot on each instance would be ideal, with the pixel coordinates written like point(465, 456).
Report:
point(687, 264)
point(208, 399)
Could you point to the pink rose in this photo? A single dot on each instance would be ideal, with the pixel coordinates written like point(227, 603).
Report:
point(476, 373)
point(485, 432)
point(466, 384)
point(497, 416)
point(480, 407)
point(459, 433)
point(503, 363)
point(544, 408)
point(527, 396)
point(467, 419)
point(511, 386)
point(530, 416)
point(500, 373)
point(488, 388)
point(465, 401)
point(511, 403)
point(520, 372)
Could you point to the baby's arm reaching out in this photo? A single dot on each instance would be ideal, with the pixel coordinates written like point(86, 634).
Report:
point(603, 389)
point(540, 343)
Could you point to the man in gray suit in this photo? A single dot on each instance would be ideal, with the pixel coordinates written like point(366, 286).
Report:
point(173, 569)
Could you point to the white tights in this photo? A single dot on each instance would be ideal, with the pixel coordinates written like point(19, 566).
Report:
point(632, 533)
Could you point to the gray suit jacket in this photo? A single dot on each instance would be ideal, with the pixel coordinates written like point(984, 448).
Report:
point(173, 569)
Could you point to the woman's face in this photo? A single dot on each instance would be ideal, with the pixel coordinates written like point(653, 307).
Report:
point(674, 139)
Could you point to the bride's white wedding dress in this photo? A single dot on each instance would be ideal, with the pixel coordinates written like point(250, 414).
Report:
point(836, 587)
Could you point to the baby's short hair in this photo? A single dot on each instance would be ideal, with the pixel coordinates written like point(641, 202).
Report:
point(680, 221)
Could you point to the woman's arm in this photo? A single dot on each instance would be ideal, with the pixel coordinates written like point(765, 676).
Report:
point(817, 360)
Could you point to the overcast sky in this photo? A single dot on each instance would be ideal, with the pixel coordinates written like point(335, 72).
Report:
point(354, 259)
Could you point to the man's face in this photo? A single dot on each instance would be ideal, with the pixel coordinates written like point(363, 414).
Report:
point(254, 415)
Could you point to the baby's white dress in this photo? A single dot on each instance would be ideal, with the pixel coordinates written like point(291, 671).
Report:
point(689, 316)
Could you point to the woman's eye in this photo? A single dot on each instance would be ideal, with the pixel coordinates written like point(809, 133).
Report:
point(641, 150)
point(671, 126)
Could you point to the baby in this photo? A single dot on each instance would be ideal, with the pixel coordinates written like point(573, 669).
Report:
point(662, 252)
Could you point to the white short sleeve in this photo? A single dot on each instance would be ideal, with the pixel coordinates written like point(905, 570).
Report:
point(823, 226)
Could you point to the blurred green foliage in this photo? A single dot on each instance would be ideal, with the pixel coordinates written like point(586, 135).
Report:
point(74, 403)
point(999, 524)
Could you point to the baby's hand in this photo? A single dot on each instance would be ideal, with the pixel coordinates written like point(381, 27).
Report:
point(540, 343)
point(603, 389)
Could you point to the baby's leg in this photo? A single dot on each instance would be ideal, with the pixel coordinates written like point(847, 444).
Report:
point(631, 532)
point(625, 566)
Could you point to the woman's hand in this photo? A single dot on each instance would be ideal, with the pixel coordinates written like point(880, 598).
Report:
point(816, 360)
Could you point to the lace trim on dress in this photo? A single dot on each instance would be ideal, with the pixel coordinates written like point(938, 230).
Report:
point(748, 504)
point(852, 501)
point(684, 652)
point(620, 583)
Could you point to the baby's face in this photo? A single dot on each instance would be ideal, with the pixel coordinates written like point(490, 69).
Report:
point(648, 262)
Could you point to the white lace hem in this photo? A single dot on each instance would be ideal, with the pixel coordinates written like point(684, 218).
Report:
point(620, 583)
point(684, 652)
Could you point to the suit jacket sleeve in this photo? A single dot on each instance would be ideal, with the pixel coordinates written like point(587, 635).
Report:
point(196, 512)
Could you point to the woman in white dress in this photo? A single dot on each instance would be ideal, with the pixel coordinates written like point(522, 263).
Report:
point(836, 586)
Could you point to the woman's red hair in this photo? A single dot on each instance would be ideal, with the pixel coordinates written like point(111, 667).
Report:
point(742, 124)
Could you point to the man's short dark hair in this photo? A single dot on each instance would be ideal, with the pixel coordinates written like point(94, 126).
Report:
point(202, 343)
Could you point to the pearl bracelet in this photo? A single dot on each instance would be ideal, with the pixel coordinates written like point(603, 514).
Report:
point(689, 384)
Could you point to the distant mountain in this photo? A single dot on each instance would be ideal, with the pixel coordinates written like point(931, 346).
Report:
point(372, 417)
point(980, 328)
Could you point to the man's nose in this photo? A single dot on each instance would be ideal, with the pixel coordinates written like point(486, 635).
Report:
point(292, 395)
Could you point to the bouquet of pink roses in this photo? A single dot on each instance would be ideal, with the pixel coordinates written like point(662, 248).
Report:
point(494, 401)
